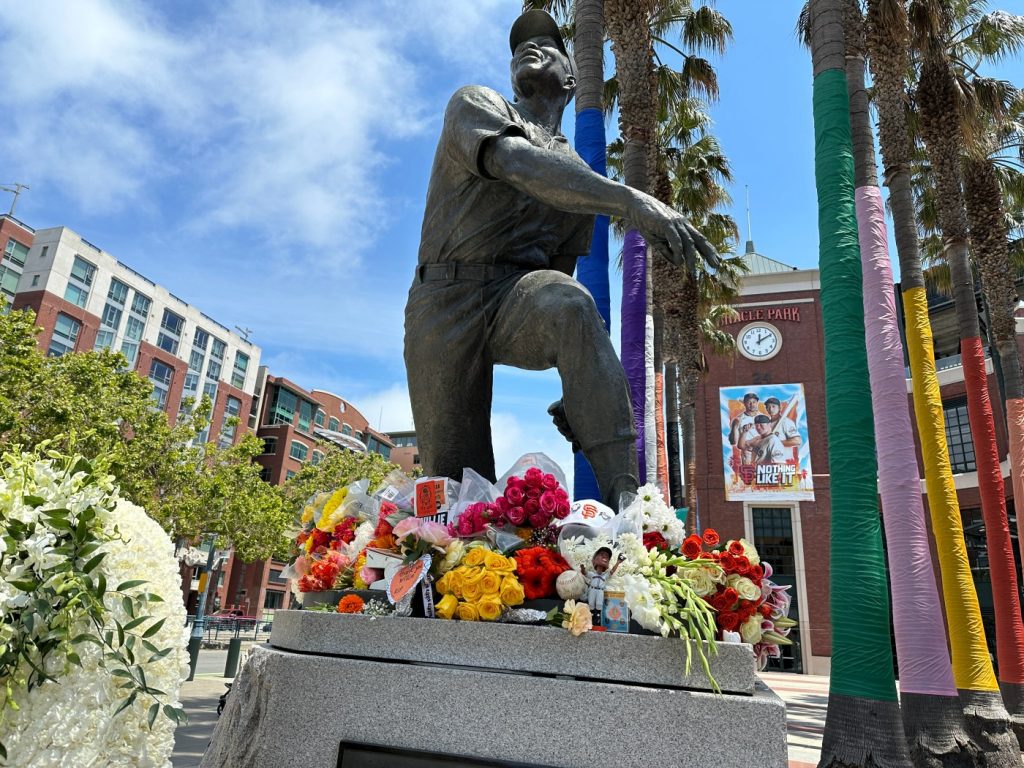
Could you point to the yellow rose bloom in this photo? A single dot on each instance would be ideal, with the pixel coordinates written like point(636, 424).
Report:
point(307, 514)
point(467, 612)
point(442, 585)
point(495, 562)
point(491, 583)
point(357, 580)
point(454, 583)
point(473, 591)
point(511, 591)
point(475, 556)
point(489, 609)
point(446, 608)
point(471, 575)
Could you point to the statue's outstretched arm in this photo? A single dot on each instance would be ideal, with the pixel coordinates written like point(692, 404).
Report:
point(567, 184)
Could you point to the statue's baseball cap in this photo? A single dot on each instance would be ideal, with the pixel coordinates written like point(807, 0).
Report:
point(536, 23)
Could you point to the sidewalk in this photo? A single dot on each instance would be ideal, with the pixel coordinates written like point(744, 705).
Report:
point(806, 698)
point(199, 698)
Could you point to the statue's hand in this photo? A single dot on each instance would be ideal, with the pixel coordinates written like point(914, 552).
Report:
point(671, 235)
point(557, 412)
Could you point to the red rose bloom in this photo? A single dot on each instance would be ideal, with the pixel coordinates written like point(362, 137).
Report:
point(730, 596)
point(515, 496)
point(757, 573)
point(692, 547)
point(742, 565)
point(320, 539)
point(655, 540)
point(549, 483)
point(728, 562)
point(532, 506)
point(746, 610)
point(711, 537)
point(728, 621)
point(735, 548)
point(765, 610)
point(533, 477)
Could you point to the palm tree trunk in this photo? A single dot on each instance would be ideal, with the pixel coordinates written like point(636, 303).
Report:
point(889, 40)
point(989, 238)
point(689, 424)
point(932, 719)
point(675, 478)
point(661, 461)
point(937, 101)
point(863, 725)
point(591, 144)
point(628, 27)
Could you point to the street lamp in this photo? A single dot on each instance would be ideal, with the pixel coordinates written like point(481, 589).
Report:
point(213, 563)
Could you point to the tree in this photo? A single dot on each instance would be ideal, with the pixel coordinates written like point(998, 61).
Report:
point(863, 725)
point(89, 403)
point(939, 107)
point(933, 722)
point(337, 469)
point(592, 270)
point(888, 44)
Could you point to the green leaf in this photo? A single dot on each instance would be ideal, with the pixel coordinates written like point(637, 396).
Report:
point(3, 751)
point(89, 566)
point(101, 586)
point(154, 629)
point(74, 658)
point(25, 585)
point(129, 606)
point(158, 655)
point(34, 501)
point(85, 638)
point(134, 623)
point(129, 584)
point(82, 465)
point(154, 710)
point(126, 703)
point(122, 673)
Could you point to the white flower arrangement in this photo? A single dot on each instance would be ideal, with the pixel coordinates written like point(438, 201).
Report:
point(650, 512)
point(579, 553)
point(92, 638)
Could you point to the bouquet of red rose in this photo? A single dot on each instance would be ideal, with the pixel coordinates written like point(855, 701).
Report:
point(533, 500)
point(745, 600)
point(538, 568)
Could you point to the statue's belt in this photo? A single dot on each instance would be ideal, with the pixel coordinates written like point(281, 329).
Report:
point(480, 272)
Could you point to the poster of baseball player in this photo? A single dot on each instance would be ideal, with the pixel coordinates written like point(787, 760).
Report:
point(765, 449)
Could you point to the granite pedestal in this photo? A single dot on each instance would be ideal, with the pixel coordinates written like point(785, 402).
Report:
point(335, 690)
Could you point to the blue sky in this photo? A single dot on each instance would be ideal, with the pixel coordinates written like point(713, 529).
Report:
point(267, 161)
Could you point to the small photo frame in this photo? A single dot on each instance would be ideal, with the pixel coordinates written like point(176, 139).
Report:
point(616, 613)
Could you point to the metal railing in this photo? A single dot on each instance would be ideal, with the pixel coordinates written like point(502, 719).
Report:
point(222, 629)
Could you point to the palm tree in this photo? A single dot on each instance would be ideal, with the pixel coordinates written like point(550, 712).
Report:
point(939, 108)
point(863, 725)
point(588, 50)
point(932, 719)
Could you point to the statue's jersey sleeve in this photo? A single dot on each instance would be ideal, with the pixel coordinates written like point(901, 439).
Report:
point(474, 115)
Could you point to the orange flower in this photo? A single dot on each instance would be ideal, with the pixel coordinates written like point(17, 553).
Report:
point(351, 604)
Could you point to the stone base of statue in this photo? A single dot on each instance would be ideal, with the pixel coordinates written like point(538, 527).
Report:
point(339, 691)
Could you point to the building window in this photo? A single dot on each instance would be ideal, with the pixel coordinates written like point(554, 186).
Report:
point(269, 446)
point(35, 280)
point(298, 450)
point(333, 424)
point(141, 305)
point(288, 475)
point(404, 441)
point(118, 291)
point(265, 474)
point(239, 371)
point(305, 415)
point(273, 600)
point(282, 408)
point(170, 332)
point(346, 429)
point(65, 334)
point(16, 252)
point(79, 282)
point(317, 458)
point(9, 277)
point(213, 370)
point(958, 436)
point(275, 575)
point(232, 408)
point(161, 375)
point(319, 418)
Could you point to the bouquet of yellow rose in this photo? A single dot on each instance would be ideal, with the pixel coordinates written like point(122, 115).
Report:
point(480, 588)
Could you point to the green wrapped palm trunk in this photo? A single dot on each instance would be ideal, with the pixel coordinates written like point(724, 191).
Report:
point(863, 726)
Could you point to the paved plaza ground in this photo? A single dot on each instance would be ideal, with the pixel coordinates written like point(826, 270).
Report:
point(806, 698)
